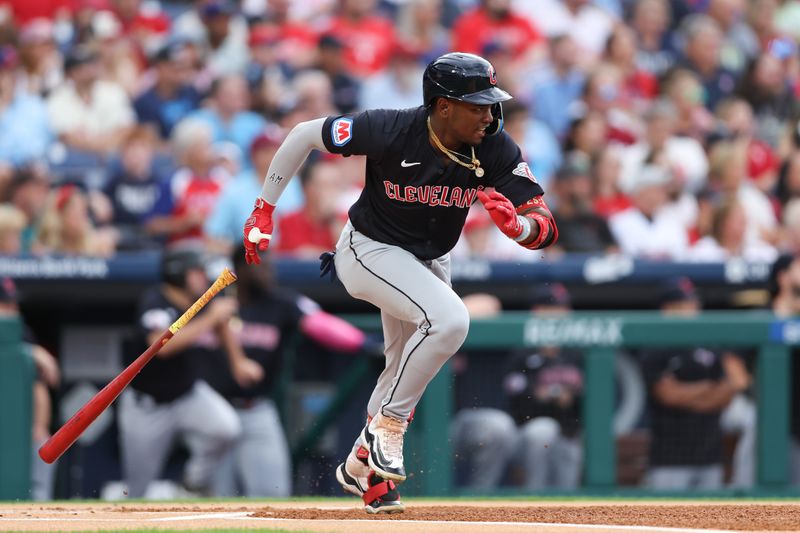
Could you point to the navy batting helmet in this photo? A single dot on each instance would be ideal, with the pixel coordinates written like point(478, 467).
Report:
point(176, 263)
point(467, 78)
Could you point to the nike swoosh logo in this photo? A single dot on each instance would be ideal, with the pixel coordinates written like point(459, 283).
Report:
point(405, 165)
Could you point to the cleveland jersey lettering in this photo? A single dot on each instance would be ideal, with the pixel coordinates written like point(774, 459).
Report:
point(412, 198)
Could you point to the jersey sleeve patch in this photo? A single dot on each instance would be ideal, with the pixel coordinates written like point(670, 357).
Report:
point(524, 170)
point(342, 131)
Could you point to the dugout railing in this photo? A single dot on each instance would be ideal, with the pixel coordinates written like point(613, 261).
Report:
point(429, 453)
point(601, 335)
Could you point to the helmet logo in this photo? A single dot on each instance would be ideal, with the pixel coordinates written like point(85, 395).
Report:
point(492, 76)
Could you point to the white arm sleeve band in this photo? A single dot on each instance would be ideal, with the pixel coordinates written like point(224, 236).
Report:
point(292, 153)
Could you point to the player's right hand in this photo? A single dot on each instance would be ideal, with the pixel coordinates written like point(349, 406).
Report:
point(258, 231)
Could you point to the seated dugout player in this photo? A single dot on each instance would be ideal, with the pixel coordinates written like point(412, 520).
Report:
point(689, 389)
point(48, 376)
point(541, 430)
point(167, 401)
point(425, 167)
point(259, 465)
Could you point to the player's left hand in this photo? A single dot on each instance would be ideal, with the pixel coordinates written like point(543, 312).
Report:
point(502, 212)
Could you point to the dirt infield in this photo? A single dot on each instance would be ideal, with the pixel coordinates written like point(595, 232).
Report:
point(344, 515)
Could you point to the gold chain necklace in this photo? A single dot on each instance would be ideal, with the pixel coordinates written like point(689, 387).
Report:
point(475, 164)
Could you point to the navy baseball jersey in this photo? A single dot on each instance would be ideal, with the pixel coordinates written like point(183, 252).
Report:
point(412, 198)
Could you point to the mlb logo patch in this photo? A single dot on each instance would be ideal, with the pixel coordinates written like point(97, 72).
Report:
point(342, 131)
point(524, 170)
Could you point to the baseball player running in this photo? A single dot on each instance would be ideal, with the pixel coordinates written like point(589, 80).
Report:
point(425, 167)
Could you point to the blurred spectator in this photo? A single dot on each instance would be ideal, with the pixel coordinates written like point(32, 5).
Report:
point(683, 89)
point(25, 10)
point(541, 431)
point(647, 229)
point(539, 146)
point(788, 187)
point(227, 113)
point(119, 59)
point(28, 192)
point(315, 227)
point(689, 388)
point(558, 85)
point(727, 239)
point(791, 227)
point(495, 22)
point(24, 128)
point(195, 186)
point(785, 16)
point(608, 196)
point(172, 96)
point(311, 97)
point(702, 47)
point(639, 86)
point(683, 156)
point(67, 227)
point(580, 229)
point(12, 223)
point(89, 114)
point(766, 88)
point(346, 88)
point(80, 28)
point(266, 75)
point(297, 40)
point(368, 38)
point(419, 25)
point(739, 43)
point(736, 117)
point(224, 224)
point(763, 20)
point(167, 400)
point(40, 59)
point(604, 94)
point(221, 33)
point(727, 178)
point(587, 136)
point(142, 21)
point(48, 377)
point(137, 190)
point(587, 24)
point(397, 86)
point(650, 21)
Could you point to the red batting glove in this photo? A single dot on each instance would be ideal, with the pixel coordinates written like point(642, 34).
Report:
point(258, 231)
point(502, 212)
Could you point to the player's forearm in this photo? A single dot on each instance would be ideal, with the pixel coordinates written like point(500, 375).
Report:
point(292, 153)
point(332, 332)
point(540, 229)
point(185, 338)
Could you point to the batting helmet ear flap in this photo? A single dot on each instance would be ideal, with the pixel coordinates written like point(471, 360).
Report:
point(497, 124)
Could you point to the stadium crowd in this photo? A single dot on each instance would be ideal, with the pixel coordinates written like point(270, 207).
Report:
point(662, 129)
point(665, 129)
